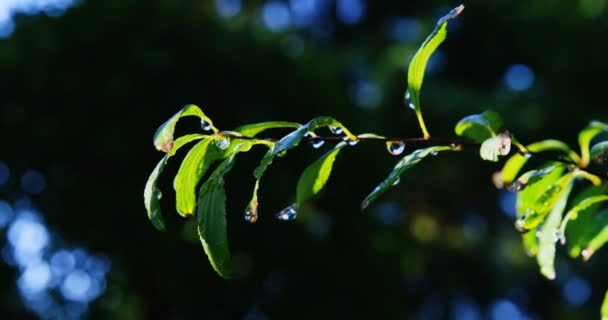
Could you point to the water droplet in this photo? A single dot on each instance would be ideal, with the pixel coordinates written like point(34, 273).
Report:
point(395, 147)
point(453, 145)
point(539, 234)
point(527, 155)
point(251, 214)
point(587, 253)
point(559, 236)
point(352, 142)
point(317, 142)
point(407, 96)
point(519, 224)
point(282, 154)
point(159, 195)
point(222, 143)
point(411, 105)
point(288, 213)
point(396, 182)
point(336, 129)
point(435, 153)
point(516, 186)
point(206, 125)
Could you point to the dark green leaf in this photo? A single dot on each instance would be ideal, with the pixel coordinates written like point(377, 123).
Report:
point(541, 180)
point(415, 73)
point(152, 196)
point(211, 214)
point(546, 200)
point(315, 176)
point(163, 138)
point(251, 130)
point(549, 235)
point(580, 206)
point(403, 165)
point(479, 127)
point(586, 223)
point(586, 135)
point(599, 153)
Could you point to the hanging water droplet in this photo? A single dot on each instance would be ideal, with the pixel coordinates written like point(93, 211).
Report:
point(159, 195)
point(353, 142)
point(411, 105)
point(316, 142)
point(206, 125)
point(559, 236)
point(336, 129)
point(288, 213)
point(222, 143)
point(395, 147)
point(435, 153)
point(519, 224)
point(251, 215)
point(527, 155)
point(453, 145)
point(407, 96)
point(396, 182)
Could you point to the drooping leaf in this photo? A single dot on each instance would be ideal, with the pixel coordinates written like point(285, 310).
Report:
point(495, 146)
point(599, 153)
point(315, 176)
point(163, 138)
point(586, 135)
point(403, 165)
point(152, 193)
point(415, 73)
point(549, 235)
point(251, 130)
point(514, 164)
point(541, 181)
point(152, 196)
point(479, 127)
point(546, 200)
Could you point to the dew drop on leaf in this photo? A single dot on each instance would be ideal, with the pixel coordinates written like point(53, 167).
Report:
point(411, 105)
point(351, 142)
point(206, 125)
point(395, 147)
point(435, 153)
point(527, 155)
point(396, 182)
point(316, 142)
point(251, 215)
point(336, 130)
point(159, 195)
point(222, 143)
point(288, 213)
point(407, 96)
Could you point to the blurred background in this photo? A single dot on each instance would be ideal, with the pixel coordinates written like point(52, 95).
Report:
point(85, 83)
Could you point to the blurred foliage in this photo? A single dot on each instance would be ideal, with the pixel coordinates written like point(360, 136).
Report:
point(82, 92)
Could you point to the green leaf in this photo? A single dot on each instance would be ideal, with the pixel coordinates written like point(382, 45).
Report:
point(211, 218)
point(536, 183)
point(530, 242)
point(192, 169)
point(599, 153)
point(163, 138)
point(588, 221)
point(415, 73)
point(514, 164)
point(549, 235)
point(586, 135)
point(546, 200)
point(479, 127)
point(251, 130)
point(604, 311)
point(495, 146)
point(580, 206)
point(152, 195)
point(315, 176)
point(403, 165)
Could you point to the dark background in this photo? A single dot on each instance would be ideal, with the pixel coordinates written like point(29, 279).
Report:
point(81, 95)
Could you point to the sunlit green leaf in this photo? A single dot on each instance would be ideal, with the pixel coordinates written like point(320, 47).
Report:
point(588, 221)
point(403, 165)
point(192, 169)
point(530, 242)
point(546, 200)
point(315, 176)
point(493, 147)
point(541, 180)
point(251, 130)
point(479, 127)
point(549, 235)
point(514, 164)
point(163, 138)
point(586, 135)
point(580, 206)
point(604, 311)
point(415, 73)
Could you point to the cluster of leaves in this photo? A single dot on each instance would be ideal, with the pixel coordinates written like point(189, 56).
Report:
point(542, 193)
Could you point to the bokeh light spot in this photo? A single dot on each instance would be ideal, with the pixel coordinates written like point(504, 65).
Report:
point(519, 77)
